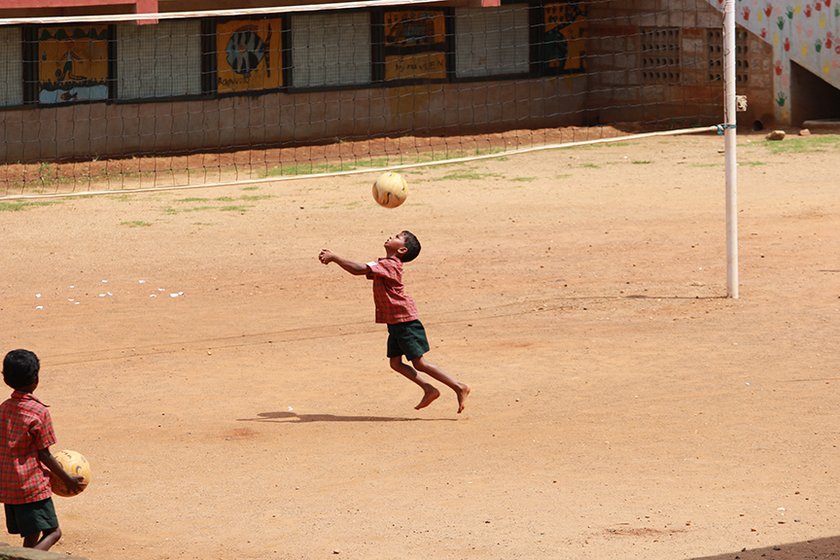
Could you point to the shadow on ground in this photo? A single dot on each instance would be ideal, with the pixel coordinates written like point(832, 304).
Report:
point(817, 549)
point(294, 417)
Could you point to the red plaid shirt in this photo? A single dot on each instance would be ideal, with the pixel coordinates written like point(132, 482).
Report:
point(392, 304)
point(25, 428)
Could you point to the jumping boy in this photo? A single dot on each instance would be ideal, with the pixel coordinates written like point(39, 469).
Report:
point(26, 434)
point(406, 335)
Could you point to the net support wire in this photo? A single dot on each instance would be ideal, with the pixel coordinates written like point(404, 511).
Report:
point(110, 18)
point(266, 180)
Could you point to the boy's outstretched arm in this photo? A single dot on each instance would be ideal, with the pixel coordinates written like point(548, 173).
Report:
point(355, 268)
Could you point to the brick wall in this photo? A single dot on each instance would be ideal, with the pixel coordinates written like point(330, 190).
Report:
point(283, 119)
point(620, 89)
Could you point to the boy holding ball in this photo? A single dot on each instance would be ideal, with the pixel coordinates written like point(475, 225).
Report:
point(26, 434)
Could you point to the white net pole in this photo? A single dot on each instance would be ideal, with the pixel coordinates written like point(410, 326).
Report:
point(729, 147)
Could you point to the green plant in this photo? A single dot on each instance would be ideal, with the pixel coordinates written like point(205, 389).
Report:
point(806, 144)
point(46, 174)
point(469, 175)
point(377, 162)
point(171, 211)
point(17, 206)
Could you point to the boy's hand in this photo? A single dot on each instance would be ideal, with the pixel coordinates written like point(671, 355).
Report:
point(326, 256)
point(75, 484)
point(355, 268)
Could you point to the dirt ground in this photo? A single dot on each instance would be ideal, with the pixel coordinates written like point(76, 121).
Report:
point(234, 400)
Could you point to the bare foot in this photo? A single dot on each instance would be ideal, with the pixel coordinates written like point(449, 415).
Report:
point(462, 396)
point(429, 395)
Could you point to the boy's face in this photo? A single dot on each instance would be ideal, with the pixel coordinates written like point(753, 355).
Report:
point(394, 244)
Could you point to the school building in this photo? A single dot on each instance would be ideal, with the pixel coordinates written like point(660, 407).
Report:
point(76, 91)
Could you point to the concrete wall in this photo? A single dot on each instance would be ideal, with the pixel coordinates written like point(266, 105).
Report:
point(283, 119)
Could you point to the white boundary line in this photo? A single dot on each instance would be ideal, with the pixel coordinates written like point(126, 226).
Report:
point(366, 170)
point(209, 13)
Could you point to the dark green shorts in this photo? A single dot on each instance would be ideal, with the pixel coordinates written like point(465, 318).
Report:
point(31, 518)
point(407, 339)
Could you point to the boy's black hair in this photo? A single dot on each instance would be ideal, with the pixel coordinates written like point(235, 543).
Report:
point(20, 368)
point(412, 245)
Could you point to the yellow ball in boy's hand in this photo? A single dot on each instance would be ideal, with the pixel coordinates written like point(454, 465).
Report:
point(390, 189)
point(74, 464)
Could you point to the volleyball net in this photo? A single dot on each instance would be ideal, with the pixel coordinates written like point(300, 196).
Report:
point(117, 103)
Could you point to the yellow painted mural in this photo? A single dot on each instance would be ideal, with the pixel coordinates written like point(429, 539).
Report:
point(565, 28)
point(427, 65)
point(72, 64)
point(249, 55)
point(414, 28)
point(415, 43)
